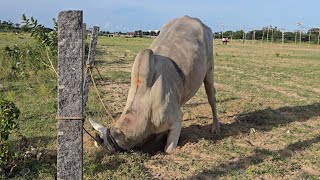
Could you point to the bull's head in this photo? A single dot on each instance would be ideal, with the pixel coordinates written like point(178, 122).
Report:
point(133, 126)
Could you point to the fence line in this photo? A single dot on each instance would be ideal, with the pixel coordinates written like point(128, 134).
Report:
point(90, 64)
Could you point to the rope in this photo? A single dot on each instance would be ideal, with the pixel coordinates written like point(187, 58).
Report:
point(97, 92)
point(70, 118)
point(90, 66)
point(89, 69)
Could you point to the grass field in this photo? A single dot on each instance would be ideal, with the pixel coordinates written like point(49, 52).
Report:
point(268, 100)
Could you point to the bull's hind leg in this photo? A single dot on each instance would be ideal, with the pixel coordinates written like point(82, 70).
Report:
point(211, 94)
point(174, 132)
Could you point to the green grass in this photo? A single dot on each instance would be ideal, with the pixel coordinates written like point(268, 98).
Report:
point(264, 87)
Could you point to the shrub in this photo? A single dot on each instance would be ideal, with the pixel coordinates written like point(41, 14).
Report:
point(33, 57)
point(44, 36)
point(24, 58)
point(9, 113)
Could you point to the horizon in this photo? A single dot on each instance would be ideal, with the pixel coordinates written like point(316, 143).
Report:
point(128, 16)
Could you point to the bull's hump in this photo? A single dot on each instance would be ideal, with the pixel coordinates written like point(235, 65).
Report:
point(182, 27)
point(181, 40)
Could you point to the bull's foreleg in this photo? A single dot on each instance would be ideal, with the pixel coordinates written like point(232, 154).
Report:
point(174, 134)
point(211, 94)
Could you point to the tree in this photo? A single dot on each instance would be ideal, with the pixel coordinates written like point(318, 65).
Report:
point(153, 33)
point(238, 34)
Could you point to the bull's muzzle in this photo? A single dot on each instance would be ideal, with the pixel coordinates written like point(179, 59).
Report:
point(111, 144)
point(105, 138)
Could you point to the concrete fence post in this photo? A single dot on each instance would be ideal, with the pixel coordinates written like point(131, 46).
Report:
point(84, 41)
point(90, 63)
point(70, 94)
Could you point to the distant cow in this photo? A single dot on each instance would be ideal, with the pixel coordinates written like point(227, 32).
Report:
point(164, 77)
point(225, 40)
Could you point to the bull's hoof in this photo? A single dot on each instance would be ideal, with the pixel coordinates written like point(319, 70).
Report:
point(169, 151)
point(216, 129)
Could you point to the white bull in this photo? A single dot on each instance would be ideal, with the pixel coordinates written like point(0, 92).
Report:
point(164, 77)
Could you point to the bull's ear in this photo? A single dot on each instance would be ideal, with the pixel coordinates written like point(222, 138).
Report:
point(97, 126)
point(143, 69)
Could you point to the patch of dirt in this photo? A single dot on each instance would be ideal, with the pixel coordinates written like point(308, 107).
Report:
point(115, 96)
point(182, 164)
point(310, 170)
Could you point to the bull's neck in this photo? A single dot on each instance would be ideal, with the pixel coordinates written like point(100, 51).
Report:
point(172, 76)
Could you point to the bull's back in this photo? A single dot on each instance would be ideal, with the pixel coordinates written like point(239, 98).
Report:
point(187, 42)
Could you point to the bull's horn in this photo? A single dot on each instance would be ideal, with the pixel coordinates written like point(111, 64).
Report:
point(97, 126)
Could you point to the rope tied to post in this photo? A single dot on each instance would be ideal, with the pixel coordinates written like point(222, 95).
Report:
point(71, 118)
point(89, 68)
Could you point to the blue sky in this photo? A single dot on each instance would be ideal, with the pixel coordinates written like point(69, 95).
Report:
point(130, 15)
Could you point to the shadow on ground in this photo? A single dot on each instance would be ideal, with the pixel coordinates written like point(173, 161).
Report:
point(261, 120)
point(241, 164)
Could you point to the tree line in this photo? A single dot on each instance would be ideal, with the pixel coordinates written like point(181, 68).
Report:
point(137, 33)
point(272, 34)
